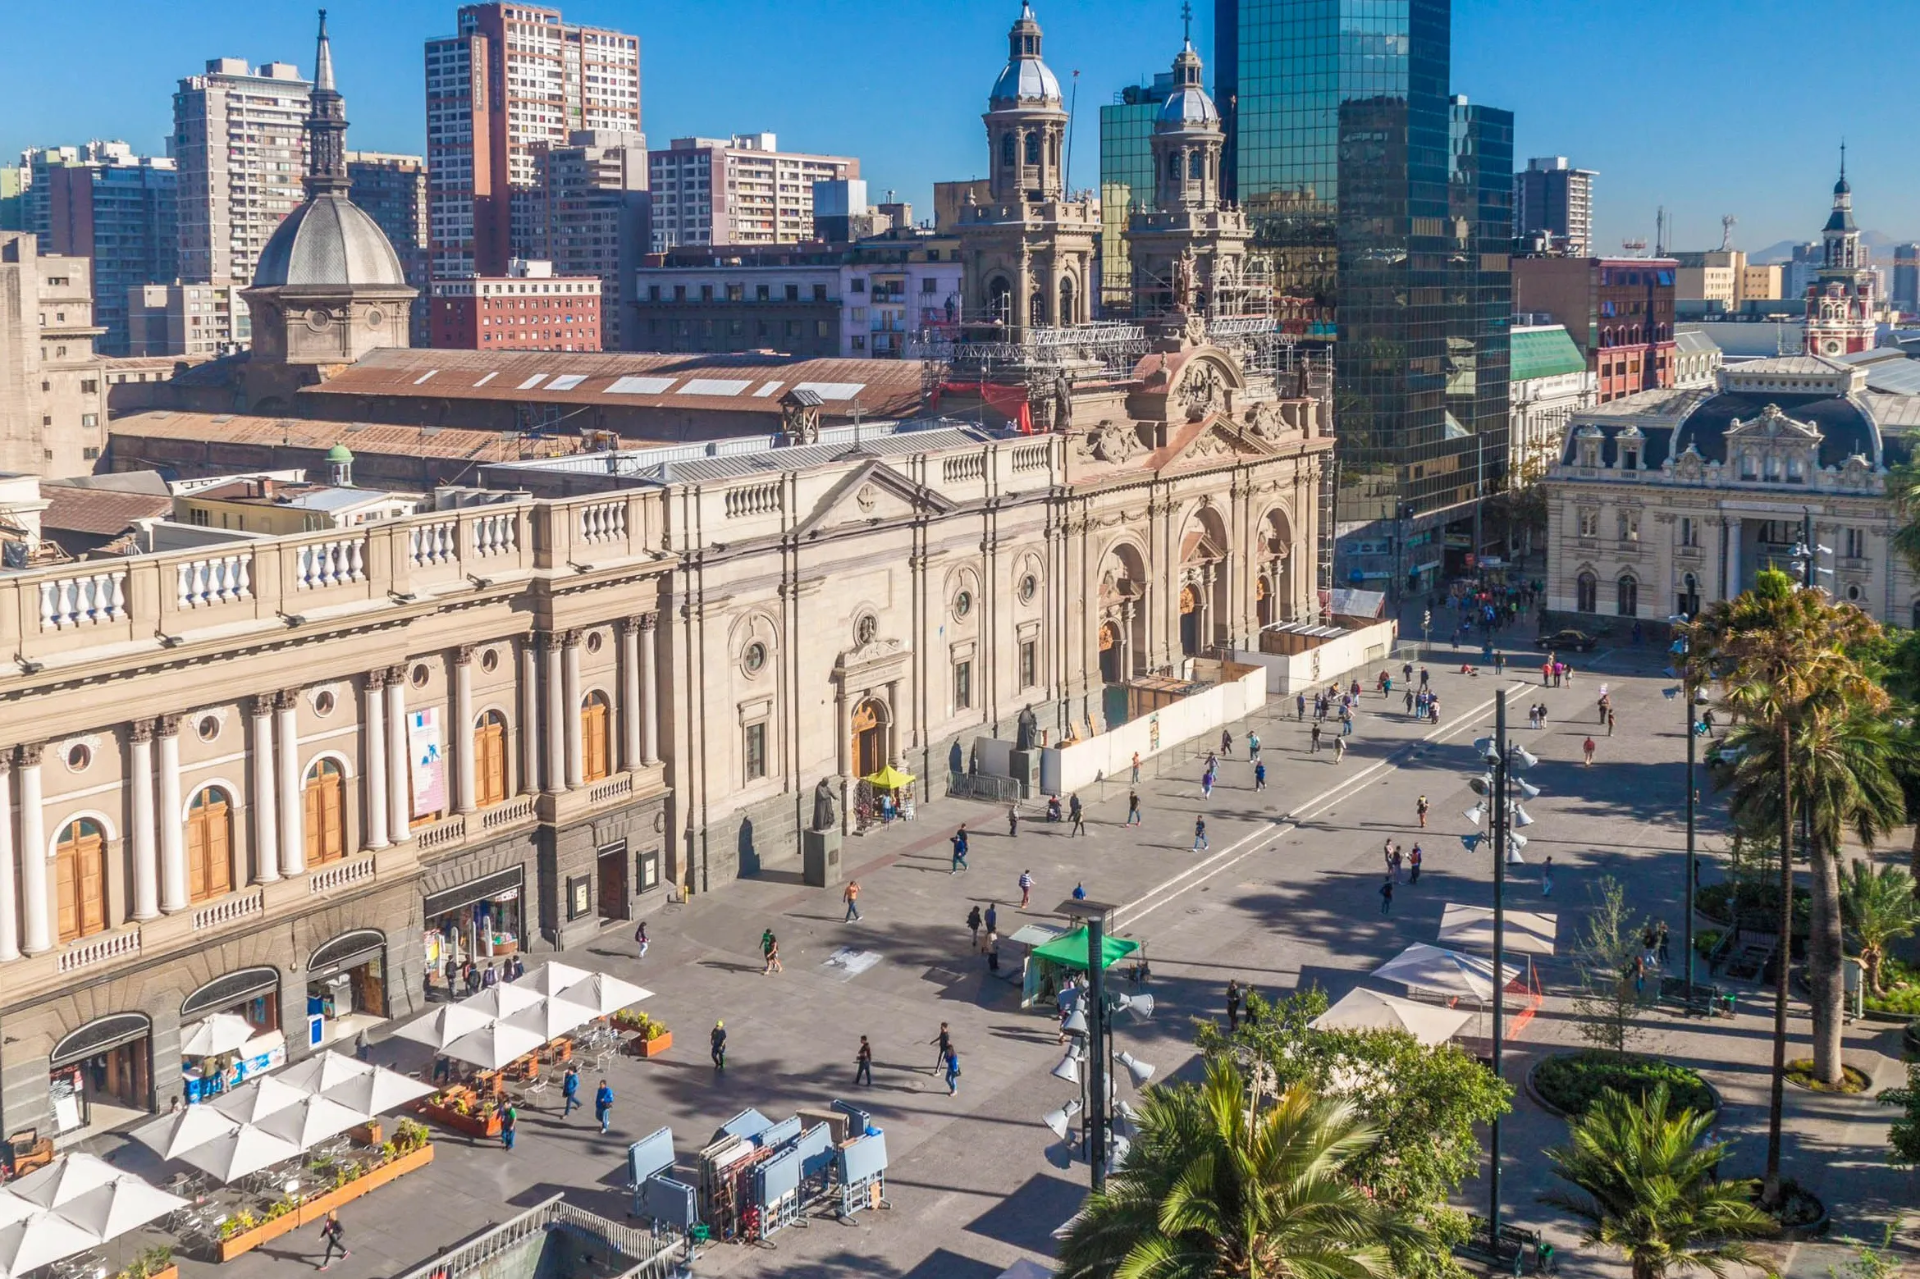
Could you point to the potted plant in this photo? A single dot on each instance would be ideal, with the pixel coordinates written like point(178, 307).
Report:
point(650, 1036)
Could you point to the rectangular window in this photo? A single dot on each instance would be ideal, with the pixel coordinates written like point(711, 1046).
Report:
point(706, 293)
point(653, 293)
point(1856, 544)
point(857, 284)
point(1629, 526)
point(1029, 663)
point(819, 293)
point(756, 752)
point(963, 685)
point(1689, 533)
point(1589, 524)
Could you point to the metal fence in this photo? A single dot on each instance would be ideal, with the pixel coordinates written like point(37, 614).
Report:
point(986, 787)
point(653, 1254)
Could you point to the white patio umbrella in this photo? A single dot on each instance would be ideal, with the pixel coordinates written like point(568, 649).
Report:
point(1362, 1009)
point(606, 994)
point(41, 1240)
point(493, 1046)
point(65, 1179)
point(502, 1000)
point(323, 1071)
point(444, 1025)
point(13, 1208)
point(246, 1149)
point(1447, 972)
point(311, 1120)
point(258, 1098)
point(1471, 928)
point(220, 1033)
point(377, 1092)
point(119, 1206)
point(552, 978)
point(173, 1135)
point(551, 1018)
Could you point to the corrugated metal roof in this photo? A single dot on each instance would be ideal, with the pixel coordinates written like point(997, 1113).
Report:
point(368, 437)
point(1693, 342)
point(98, 511)
point(1545, 352)
point(764, 454)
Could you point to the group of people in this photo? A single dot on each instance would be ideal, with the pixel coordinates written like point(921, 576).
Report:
point(475, 979)
point(1554, 672)
point(1398, 862)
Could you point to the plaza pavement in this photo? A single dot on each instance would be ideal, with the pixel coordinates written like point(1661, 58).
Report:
point(1286, 897)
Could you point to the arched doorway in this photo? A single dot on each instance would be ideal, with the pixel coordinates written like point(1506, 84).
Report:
point(209, 845)
point(1688, 601)
point(1067, 314)
point(595, 737)
point(324, 806)
point(80, 879)
point(102, 1073)
point(871, 744)
point(490, 760)
point(1263, 601)
point(347, 983)
point(1628, 596)
point(1000, 298)
point(1110, 671)
point(1586, 593)
point(1189, 620)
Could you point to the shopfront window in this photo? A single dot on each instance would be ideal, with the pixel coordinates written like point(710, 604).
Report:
point(346, 987)
point(101, 1075)
point(476, 925)
point(230, 1031)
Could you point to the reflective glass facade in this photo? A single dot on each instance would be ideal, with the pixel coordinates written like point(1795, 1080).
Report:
point(1126, 177)
point(1386, 208)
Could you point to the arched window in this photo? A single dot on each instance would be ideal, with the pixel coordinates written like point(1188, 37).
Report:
point(1000, 300)
point(1628, 597)
point(80, 879)
point(324, 807)
point(1033, 148)
point(1066, 302)
point(1037, 310)
point(1586, 591)
point(490, 760)
point(1054, 149)
point(1196, 165)
point(210, 845)
point(596, 737)
point(1173, 167)
point(1007, 145)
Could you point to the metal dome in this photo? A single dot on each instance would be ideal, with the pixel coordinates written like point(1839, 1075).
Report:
point(1188, 107)
point(1026, 80)
point(329, 242)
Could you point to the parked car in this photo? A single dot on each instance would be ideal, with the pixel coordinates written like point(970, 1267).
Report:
point(1578, 641)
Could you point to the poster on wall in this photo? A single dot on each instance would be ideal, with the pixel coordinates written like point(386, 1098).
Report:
point(429, 762)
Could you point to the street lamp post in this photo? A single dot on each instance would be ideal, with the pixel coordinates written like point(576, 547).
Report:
point(1099, 1044)
point(1682, 646)
point(1500, 820)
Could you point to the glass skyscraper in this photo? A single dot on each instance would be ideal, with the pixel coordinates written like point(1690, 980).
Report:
point(1385, 206)
point(1126, 178)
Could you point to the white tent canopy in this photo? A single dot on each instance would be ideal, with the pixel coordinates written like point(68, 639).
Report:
point(444, 1025)
point(322, 1071)
point(311, 1120)
point(1361, 1009)
point(126, 1203)
point(1471, 928)
point(64, 1180)
point(246, 1149)
point(41, 1240)
point(606, 994)
point(377, 1092)
point(502, 1000)
point(551, 1018)
point(1446, 972)
point(171, 1136)
point(257, 1098)
point(552, 978)
point(495, 1045)
point(220, 1033)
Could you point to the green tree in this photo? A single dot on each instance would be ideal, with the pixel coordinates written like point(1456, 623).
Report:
point(1608, 1003)
point(1903, 486)
point(1217, 1186)
point(1903, 1138)
point(1645, 1185)
point(1880, 909)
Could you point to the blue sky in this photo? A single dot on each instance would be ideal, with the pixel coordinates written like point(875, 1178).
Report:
point(1706, 106)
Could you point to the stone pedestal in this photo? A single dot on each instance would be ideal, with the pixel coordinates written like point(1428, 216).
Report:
point(820, 857)
point(1025, 767)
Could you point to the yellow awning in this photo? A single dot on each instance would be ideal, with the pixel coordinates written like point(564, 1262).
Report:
point(890, 778)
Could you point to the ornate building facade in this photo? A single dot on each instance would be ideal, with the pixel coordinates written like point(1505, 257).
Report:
point(1843, 303)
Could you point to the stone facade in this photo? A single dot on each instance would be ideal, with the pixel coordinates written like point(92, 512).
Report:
point(53, 416)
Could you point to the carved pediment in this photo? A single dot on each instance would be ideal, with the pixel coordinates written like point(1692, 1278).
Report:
point(871, 493)
point(1110, 441)
point(1774, 424)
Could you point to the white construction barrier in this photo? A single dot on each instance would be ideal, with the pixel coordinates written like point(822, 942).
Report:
point(1289, 673)
point(1064, 769)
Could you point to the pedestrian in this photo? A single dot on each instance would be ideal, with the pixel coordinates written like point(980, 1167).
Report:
point(863, 1064)
point(1423, 677)
point(1133, 808)
point(945, 1042)
point(1013, 820)
point(1026, 888)
point(1546, 877)
point(1664, 947)
point(1609, 721)
point(1346, 720)
point(640, 938)
point(1386, 897)
point(490, 978)
point(851, 895)
point(766, 947)
point(993, 951)
point(716, 1049)
point(1315, 735)
point(1588, 748)
point(973, 924)
point(1386, 855)
point(1233, 1004)
point(1339, 749)
point(1206, 784)
point(362, 1046)
point(509, 1126)
point(773, 957)
point(1226, 742)
point(334, 1235)
point(1200, 835)
point(1393, 864)
point(570, 1091)
point(1260, 776)
point(1136, 768)
point(1499, 663)
point(992, 917)
point(1639, 974)
point(959, 851)
point(1406, 672)
point(1409, 701)
point(603, 1095)
point(1079, 891)
point(953, 1072)
point(1299, 706)
point(1413, 866)
point(1603, 708)
point(1253, 746)
point(1078, 814)
point(1420, 807)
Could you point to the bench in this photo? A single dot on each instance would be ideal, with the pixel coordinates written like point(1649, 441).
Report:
point(1507, 1253)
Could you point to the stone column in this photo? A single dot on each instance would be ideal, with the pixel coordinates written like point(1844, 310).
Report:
point(266, 827)
point(173, 852)
point(293, 814)
point(9, 907)
point(1733, 560)
point(146, 865)
point(33, 852)
point(576, 748)
point(399, 759)
point(373, 737)
point(630, 709)
point(556, 735)
point(649, 691)
point(529, 716)
point(460, 736)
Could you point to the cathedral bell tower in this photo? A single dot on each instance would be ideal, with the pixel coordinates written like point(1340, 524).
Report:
point(1843, 306)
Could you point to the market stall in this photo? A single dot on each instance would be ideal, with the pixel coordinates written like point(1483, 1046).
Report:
point(883, 797)
point(1049, 964)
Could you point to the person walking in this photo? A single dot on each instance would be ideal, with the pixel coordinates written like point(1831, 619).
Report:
point(1315, 735)
point(1587, 747)
point(362, 1046)
point(716, 1049)
point(863, 1064)
point(1200, 844)
point(1609, 721)
point(953, 1072)
point(1136, 768)
point(959, 851)
point(333, 1235)
point(1394, 861)
point(570, 1091)
point(773, 957)
point(1499, 663)
point(1078, 813)
point(1409, 699)
point(1663, 945)
point(1299, 706)
point(992, 918)
point(973, 924)
point(944, 1040)
point(1226, 742)
point(603, 1104)
point(1080, 891)
point(1260, 776)
point(1639, 974)
point(1546, 877)
point(1386, 897)
point(1253, 747)
point(766, 950)
point(1339, 749)
point(509, 1126)
point(851, 895)
point(1233, 1004)
point(640, 939)
point(1013, 820)
point(1026, 888)
point(1413, 866)
point(1133, 808)
point(1206, 784)
point(1420, 807)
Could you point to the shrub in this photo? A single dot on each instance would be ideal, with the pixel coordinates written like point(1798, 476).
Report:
point(238, 1224)
point(1752, 899)
point(1572, 1081)
point(1706, 939)
point(1902, 989)
point(279, 1209)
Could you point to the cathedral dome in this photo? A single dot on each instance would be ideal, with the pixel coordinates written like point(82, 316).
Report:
point(1025, 78)
point(330, 242)
point(1188, 106)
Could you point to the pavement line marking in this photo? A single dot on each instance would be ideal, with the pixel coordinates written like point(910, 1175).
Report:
point(1202, 871)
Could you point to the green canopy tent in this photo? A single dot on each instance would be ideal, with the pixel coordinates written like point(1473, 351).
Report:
point(1048, 964)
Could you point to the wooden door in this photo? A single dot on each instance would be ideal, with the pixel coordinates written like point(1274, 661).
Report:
point(593, 737)
point(324, 805)
point(490, 763)
point(80, 878)
point(209, 848)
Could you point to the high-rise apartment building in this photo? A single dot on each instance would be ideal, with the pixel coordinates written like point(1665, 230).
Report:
point(103, 202)
point(1906, 278)
point(1126, 180)
point(1554, 200)
point(393, 191)
point(207, 320)
point(741, 190)
point(53, 404)
point(14, 182)
point(594, 195)
point(1379, 199)
point(514, 79)
point(239, 147)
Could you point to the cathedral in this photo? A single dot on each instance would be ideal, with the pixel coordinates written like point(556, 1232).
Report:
point(1843, 303)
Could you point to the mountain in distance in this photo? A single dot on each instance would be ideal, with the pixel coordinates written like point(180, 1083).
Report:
point(1879, 244)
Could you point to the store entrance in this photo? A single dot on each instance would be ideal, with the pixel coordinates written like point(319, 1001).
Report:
point(471, 928)
point(615, 890)
point(101, 1076)
point(346, 987)
point(230, 1031)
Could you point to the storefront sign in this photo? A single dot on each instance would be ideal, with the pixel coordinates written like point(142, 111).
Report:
point(499, 886)
point(429, 762)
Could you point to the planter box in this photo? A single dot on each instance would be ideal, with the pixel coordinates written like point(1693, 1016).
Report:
point(371, 1133)
point(318, 1206)
point(471, 1125)
point(639, 1047)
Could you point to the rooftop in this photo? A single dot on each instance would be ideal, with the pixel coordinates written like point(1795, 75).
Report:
point(1545, 352)
point(366, 437)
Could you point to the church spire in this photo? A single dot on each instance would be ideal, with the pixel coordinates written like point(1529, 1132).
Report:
point(326, 125)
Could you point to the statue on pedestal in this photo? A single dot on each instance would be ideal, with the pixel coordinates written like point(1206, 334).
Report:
point(1028, 730)
point(826, 807)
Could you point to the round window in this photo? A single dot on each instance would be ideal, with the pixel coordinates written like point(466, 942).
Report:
point(594, 641)
point(323, 703)
point(419, 676)
point(208, 727)
point(79, 756)
point(963, 604)
point(755, 658)
point(1029, 587)
point(490, 661)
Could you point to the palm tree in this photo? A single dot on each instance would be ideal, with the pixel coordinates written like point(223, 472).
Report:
point(1647, 1187)
point(1903, 486)
point(1214, 1186)
point(1777, 653)
point(1880, 909)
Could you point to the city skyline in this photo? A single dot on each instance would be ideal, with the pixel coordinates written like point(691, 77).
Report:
point(1706, 162)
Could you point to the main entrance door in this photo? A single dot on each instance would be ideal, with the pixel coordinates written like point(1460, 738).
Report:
point(869, 739)
point(614, 890)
